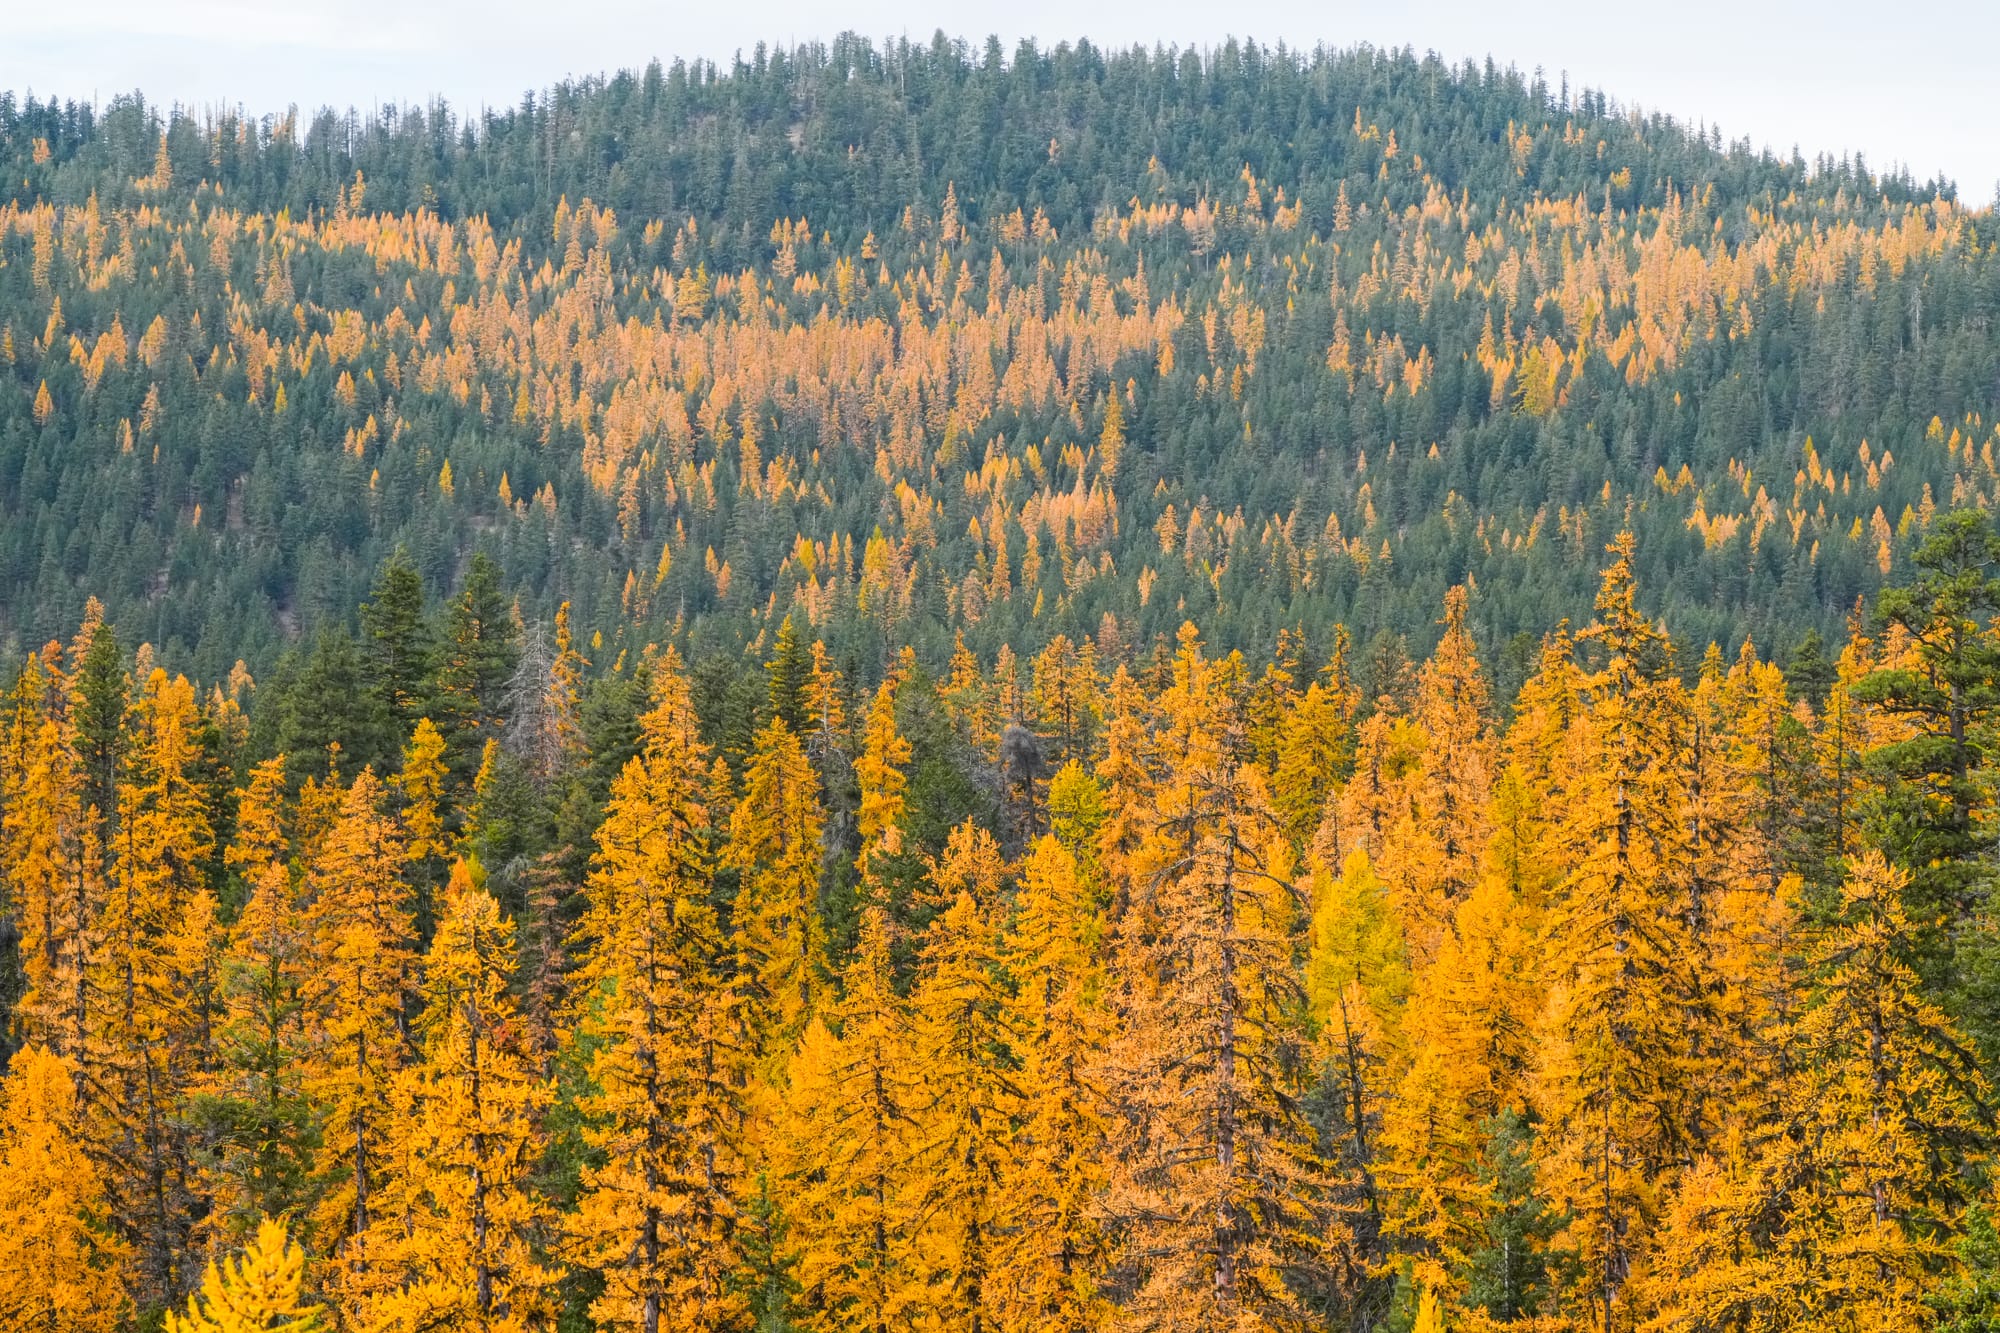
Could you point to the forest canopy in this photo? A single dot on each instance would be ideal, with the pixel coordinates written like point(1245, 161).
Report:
point(930, 687)
point(920, 340)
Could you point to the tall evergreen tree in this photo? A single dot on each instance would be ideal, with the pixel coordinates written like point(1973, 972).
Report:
point(401, 651)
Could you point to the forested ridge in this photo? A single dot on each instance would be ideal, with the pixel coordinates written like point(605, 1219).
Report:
point(927, 688)
point(923, 340)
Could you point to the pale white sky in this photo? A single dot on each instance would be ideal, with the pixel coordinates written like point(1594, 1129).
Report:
point(1909, 86)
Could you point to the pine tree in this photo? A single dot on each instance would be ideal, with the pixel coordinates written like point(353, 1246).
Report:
point(401, 649)
point(968, 701)
point(1934, 812)
point(480, 651)
point(328, 714)
point(1277, 693)
point(60, 1260)
point(663, 1030)
point(789, 673)
point(1508, 1275)
point(99, 698)
point(1065, 698)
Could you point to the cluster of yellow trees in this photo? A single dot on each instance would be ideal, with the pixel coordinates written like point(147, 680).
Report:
point(1283, 997)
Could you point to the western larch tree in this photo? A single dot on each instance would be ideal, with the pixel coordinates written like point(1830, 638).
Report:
point(1439, 845)
point(1357, 978)
point(457, 1217)
point(776, 845)
point(962, 1068)
point(826, 710)
point(1125, 782)
point(1619, 1102)
point(1842, 1214)
point(658, 1015)
point(57, 890)
point(61, 1259)
point(1466, 1030)
point(1215, 1175)
point(261, 1290)
point(843, 1153)
point(361, 964)
point(879, 770)
point(421, 783)
point(1053, 1252)
point(1312, 747)
point(157, 964)
point(255, 1098)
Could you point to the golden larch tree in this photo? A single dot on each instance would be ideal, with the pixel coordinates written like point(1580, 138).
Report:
point(361, 962)
point(843, 1151)
point(776, 845)
point(1215, 1177)
point(457, 1216)
point(657, 1011)
point(61, 1261)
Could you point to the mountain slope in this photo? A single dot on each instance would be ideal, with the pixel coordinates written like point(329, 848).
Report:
point(1375, 325)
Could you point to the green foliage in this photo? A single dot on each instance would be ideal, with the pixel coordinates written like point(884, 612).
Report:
point(219, 524)
point(1508, 1278)
point(1934, 811)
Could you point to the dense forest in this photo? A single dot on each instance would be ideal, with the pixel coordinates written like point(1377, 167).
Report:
point(1061, 993)
point(927, 688)
point(921, 341)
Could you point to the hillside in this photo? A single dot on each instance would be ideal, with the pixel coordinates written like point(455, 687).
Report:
point(678, 347)
point(1046, 692)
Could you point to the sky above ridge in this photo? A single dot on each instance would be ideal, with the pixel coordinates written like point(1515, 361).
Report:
point(1903, 87)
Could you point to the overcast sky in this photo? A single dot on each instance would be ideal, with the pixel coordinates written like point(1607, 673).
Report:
point(1903, 86)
